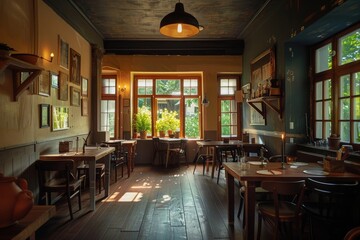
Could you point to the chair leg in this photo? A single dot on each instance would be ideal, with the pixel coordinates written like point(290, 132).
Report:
point(79, 198)
point(69, 204)
point(259, 227)
point(240, 207)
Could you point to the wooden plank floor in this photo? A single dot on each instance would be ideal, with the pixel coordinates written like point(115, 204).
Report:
point(154, 203)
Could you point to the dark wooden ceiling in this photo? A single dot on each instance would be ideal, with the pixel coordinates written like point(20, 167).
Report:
point(134, 24)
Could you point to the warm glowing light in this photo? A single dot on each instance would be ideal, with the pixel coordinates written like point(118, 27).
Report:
point(179, 28)
point(130, 197)
point(282, 136)
point(52, 55)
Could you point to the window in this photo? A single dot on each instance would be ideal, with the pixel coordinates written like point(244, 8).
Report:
point(337, 87)
point(179, 94)
point(108, 105)
point(228, 127)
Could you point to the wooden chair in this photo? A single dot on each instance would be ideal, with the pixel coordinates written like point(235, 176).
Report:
point(159, 151)
point(252, 149)
point(223, 152)
point(83, 173)
point(331, 204)
point(119, 158)
point(178, 151)
point(353, 234)
point(285, 208)
point(206, 158)
point(56, 176)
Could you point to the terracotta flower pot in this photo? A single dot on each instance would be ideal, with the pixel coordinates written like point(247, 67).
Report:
point(15, 200)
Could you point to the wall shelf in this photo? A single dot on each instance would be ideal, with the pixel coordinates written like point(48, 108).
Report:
point(273, 102)
point(18, 67)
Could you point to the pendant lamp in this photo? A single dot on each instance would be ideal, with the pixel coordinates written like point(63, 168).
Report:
point(179, 24)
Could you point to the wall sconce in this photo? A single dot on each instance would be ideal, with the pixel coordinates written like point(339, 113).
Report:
point(205, 102)
point(122, 89)
point(51, 57)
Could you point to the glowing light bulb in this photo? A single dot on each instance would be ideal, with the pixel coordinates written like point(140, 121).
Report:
point(179, 28)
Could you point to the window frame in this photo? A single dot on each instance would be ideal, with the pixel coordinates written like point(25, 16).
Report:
point(154, 97)
point(110, 97)
point(335, 73)
point(222, 97)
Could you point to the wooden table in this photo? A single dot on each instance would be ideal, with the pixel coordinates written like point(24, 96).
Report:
point(253, 179)
point(91, 155)
point(26, 227)
point(208, 144)
point(130, 146)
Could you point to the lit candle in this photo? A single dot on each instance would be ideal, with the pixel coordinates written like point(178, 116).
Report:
point(282, 148)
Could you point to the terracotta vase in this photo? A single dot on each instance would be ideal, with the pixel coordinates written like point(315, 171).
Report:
point(15, 200)
point(162, 134)
point(143, 134)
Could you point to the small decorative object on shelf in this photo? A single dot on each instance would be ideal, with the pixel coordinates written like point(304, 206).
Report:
point(334, 141)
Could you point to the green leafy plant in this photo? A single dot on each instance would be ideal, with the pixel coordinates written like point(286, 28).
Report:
point(143, 119)
point(168, 121)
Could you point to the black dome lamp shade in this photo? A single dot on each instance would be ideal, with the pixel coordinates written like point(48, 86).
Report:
point(179, 24)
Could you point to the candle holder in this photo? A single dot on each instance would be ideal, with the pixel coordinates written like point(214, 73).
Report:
point(283, 151)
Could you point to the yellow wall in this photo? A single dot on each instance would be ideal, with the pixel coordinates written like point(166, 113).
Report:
point(209, 66)
point(30, 26)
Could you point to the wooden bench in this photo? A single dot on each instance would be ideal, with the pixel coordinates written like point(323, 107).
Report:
point(26, 227)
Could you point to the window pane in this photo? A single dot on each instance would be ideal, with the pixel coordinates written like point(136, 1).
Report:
point(192, 123)
point(356, 136)
point(228, 118)
point(345, 131)
point(109, 86)
point(356, 83)
point(318, 127)
point(319, 111)
point(167, 87)
point(190, 86)
point(356, 109)
point(228, 86)
point(327, 106)
point(344, 109)
point(349, 47)
point(323, 58)
point(107, 116)
point(171, 105)
point(144, 102)
point(345, 86)
point(145, 86)
point(327, 89)
point(318, 90)
point(327, 129)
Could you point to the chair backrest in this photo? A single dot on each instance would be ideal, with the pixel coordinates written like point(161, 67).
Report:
point(282, 190)
point(335, 198)
point(50, 169)
point(183, 144)
point(220, 150)
point(250, 149)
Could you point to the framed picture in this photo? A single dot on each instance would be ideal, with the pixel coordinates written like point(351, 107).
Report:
point(63, 87)
point(75, 67)
point(84, 86)
point(75, 96)
point(84, 107)
point(54, 79)
point(60, 118)
point(126, 102)
point(63, 53)
point(44, 115)
point(44, 84)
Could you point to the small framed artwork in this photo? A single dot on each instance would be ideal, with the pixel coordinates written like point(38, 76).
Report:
point(84, 87)
point(44, 84)
point(126, 102)
point(54, 79)
point(64, 53)
point(63, 87)
point(75, 96)
point(75, 67)
point(246, 90)
point(44, 115)
point(60, 118)
point(84, 107)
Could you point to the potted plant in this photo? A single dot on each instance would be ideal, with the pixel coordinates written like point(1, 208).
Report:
point(168, 119)
point(161, 126)
point(143, 121)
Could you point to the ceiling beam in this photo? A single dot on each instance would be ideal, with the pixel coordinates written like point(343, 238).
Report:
point(183, 47)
